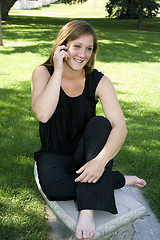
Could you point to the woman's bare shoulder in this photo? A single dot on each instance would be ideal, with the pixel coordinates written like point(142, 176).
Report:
point(40, 70)
point(105, 85)
point(40, 73)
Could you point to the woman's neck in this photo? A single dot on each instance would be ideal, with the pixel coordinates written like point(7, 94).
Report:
point(69, 73)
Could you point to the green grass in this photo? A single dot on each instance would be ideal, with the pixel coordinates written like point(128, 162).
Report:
point(130, 58)
point(89, 9)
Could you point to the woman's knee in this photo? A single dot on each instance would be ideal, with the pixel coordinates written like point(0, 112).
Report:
point(57, 184)
point(99, 124)
point(94, 138)
point(58, 192)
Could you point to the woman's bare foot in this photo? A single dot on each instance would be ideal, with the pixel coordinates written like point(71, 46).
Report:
point(134, 181)
point(85, 226)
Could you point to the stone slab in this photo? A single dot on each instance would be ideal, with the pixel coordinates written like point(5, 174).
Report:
point(107, 224)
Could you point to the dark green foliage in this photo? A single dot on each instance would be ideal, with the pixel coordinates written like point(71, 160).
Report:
point(151, 8)
point(130, 8)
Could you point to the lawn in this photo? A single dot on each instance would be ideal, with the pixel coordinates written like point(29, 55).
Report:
point(130, 58)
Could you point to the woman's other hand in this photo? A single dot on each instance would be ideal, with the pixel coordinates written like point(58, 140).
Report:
point(91, 171)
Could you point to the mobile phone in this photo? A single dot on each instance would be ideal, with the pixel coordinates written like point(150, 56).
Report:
point(64, 43)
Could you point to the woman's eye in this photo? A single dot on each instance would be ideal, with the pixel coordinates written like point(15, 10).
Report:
point(89, 49)
point(77, 46)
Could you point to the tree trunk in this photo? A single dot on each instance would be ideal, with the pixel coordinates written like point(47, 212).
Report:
point(140, 14)
point(1, 33)
point(6, 6)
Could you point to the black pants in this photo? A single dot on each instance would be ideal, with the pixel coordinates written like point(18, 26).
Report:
point(57, 172)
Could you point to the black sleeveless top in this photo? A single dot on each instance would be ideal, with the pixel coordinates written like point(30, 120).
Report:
point(62, 132)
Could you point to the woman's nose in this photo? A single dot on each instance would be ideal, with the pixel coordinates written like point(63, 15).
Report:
point(82, 52)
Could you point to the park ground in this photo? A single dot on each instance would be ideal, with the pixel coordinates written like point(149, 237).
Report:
point(129, 57)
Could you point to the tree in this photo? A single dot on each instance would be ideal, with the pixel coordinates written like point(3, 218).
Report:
point(147, 8)
point(140, 15)
point(5, 7)
point(1, 33)
point(132, 9)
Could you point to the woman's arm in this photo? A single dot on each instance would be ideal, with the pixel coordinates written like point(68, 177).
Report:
point(46, 89)
point(93, 170)
point(45, 93)
point(112, 110)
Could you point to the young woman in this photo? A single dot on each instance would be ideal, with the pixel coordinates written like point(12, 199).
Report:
point(77, 147)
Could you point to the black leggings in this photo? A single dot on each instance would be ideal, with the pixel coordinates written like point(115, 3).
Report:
point(57, 172)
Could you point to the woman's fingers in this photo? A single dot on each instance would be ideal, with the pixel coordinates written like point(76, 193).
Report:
point(60, 55)
point(64, 55)
point(86, 176)
point(60, 48)
point(81, 169)
point(61, 52)
point(90, 172)
point(81, 177)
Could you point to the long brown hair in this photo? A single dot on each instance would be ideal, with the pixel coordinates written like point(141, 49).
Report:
point(71, 31)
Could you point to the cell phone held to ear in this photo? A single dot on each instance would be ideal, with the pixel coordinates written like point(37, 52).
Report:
point(64, 44)
point(65, 49)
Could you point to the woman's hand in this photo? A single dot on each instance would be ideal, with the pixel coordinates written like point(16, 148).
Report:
point(91, 171)
point(59, 56)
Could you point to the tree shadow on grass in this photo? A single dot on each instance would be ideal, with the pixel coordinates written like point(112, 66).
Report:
point(140, 154)
point(17, 228)
point(119, 43)
point(18, 124)
point(141, 151)
point(19, 194)
point(17, 119)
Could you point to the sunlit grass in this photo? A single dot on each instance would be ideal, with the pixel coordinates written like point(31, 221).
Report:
point(130, 58)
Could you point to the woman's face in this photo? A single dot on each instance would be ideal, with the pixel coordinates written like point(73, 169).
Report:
point(80, 51)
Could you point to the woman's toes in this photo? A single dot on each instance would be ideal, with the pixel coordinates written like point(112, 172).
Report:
point(92, 233)
point(85, 234)
point(134, 181)
point(78, 234)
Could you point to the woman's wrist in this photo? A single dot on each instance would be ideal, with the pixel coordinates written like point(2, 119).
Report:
point(57, 72)
point(102, 158)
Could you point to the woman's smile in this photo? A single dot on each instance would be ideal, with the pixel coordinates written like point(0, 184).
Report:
point(78, 60)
